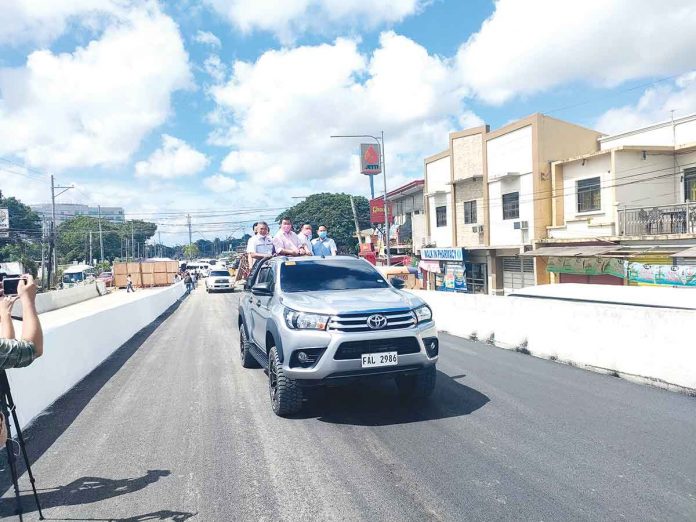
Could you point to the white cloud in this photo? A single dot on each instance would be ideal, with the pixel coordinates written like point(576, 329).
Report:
point(220, 183)
point(215, 68)
point(532, 46)
point(174, 159)
point(41, 21)
point(93, 106)
point(207, 38)
point(654, 106)
point(290, 18)
point(280, 113)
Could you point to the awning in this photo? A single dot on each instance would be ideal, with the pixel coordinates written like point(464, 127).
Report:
point(430, 266)
point(689, 252)
point(572, 251)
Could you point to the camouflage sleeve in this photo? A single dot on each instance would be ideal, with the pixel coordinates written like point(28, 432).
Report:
point(15, 353)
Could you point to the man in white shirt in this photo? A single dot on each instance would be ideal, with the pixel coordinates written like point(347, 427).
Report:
point(305, 236)
point(259, 246)
point(323, 245)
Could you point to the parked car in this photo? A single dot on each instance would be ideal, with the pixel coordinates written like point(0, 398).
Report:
point(315, 321)
point(107, 278)
point(219, 280)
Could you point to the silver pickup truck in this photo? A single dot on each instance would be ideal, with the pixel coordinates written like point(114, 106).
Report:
point(314, 321)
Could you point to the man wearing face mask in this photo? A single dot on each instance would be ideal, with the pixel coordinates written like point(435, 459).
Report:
point(286, 242)
point(259, 245)
point(305, 236)
point(323, 245)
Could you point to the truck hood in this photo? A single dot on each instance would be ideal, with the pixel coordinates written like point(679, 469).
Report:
point(351, 301)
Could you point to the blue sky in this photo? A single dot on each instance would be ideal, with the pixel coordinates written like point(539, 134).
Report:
point(225, 107)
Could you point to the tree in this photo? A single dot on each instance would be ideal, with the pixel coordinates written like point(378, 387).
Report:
point(23, 243)
point(191, 251)
point(73, 237)
point(333, 211)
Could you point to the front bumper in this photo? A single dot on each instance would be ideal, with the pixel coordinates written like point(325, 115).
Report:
point(329, 369)
point(220, 286)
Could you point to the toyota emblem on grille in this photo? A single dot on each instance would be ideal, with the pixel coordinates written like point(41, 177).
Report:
point(377, 321)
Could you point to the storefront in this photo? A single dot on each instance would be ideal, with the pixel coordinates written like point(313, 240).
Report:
point(444, 269)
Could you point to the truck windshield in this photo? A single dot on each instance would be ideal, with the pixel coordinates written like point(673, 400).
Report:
point(73, 278)
point(312, 276)
point(219, 273)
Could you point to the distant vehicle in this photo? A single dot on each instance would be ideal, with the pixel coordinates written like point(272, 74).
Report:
point(76, 275)
point(219, 280)
point(107, 278)
point(312, 321)
point(200, 268)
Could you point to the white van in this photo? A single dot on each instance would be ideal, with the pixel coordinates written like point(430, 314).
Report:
point(78, 275)
point(200, 268)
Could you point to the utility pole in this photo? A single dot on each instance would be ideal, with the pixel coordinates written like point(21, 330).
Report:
point(90, 248)
point(161, 252)
point(188, 220)
point(101, 238)
point(355, 218)
point(52, 258)
point(132, 242)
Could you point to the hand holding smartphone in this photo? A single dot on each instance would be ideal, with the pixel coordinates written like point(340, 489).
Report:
point(10, 285)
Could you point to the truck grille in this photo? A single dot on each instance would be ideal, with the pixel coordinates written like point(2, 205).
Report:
point(354, 349)
point(358, 322)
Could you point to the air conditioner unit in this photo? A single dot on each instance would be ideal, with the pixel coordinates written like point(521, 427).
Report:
point(524, 225)
point(478, 229)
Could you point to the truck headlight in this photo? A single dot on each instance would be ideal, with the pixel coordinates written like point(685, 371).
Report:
point(423, 314)
point(305, 321)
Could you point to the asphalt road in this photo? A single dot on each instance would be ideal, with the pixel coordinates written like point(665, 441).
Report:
point(172, 428)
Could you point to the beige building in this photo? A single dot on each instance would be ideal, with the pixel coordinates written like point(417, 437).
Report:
point(489, 194)
point(517, 193)
point(455, 216)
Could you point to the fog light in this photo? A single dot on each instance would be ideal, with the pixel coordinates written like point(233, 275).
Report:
point(302, 357)
point(432, 346)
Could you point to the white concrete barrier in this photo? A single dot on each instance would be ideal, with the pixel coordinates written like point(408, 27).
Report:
point(56, 299)
point(639, 343)
point(76, 345)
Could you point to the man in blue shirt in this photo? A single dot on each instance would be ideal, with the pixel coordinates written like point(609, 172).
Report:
point(323, 245)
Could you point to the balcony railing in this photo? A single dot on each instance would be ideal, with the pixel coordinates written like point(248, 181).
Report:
point(655, 220)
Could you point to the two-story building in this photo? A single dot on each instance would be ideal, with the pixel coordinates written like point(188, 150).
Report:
point(626, 213)
point(517, 194)
point(455, 214)
point(409, 227)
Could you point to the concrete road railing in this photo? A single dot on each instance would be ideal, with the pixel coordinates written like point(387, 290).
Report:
point(76, 344)
point(56, 299)
point(639, 343)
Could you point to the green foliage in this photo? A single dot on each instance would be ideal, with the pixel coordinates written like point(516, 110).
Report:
point(24, 241)
point(73, 237)
point(191, 251)
point(333, 211)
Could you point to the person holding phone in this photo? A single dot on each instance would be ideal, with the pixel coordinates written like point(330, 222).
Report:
point(17, 353)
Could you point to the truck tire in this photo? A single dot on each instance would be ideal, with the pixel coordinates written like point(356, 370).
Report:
point(420, 386)
point(248, 360)
point(285, 394)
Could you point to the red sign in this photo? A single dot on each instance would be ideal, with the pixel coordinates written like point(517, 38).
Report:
point(370, 163)
point(377, 211)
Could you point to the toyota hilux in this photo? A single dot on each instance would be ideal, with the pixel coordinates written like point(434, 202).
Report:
point(315, 321)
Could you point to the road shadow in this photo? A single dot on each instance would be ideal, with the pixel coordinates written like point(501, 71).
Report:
point(85, 490)
point(53, 422)
point(377, 403)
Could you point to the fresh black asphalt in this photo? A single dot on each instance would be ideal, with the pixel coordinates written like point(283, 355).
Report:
point(172, 428)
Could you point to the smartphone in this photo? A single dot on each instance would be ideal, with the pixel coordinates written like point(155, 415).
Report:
point(10, 285)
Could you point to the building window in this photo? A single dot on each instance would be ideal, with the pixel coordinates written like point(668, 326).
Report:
point(511, 205)
point(690, 184)
point(441, 216)
point(470, 212)
point(589, 194)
